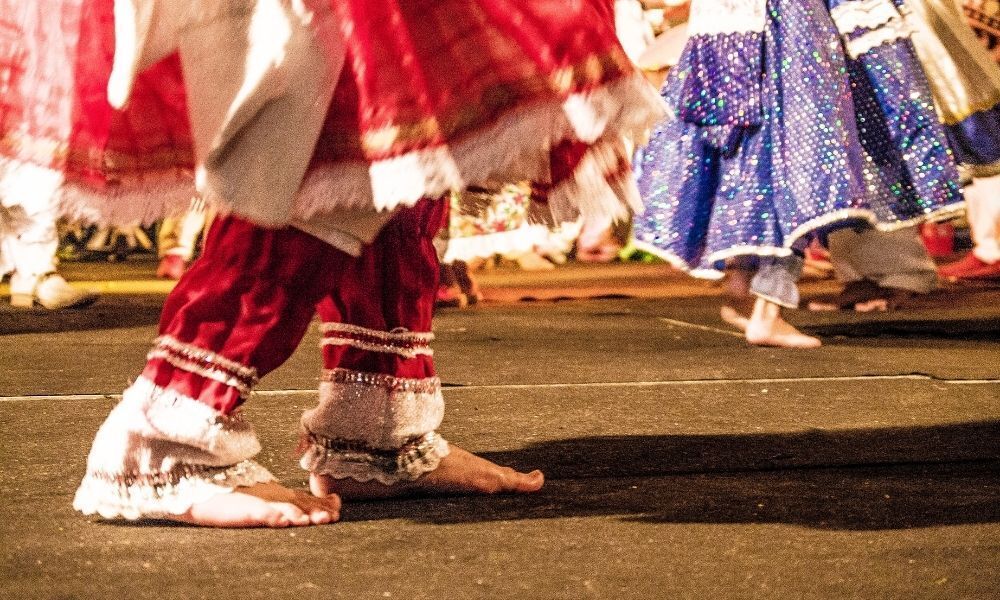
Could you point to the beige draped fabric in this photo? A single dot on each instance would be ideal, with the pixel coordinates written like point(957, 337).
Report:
point(259, 76)
point(964, 78)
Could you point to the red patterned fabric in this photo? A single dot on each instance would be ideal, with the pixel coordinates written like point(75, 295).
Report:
point(55, 60)
point(424, 73)
point(251, 296)
point(151, 137)
point(420, 75)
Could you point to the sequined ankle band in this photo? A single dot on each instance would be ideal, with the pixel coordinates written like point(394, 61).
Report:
point(372, 426)
point(350, 459)
point(429, 385)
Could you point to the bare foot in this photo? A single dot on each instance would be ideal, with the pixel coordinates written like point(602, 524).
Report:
point(734, 316)
point(263, 505)
point(737, 301)
point(768, 328)
point(822, 306)
point(460, 473)
point(877, 305)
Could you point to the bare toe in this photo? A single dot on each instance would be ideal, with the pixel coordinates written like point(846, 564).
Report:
point(321, 510)
point(526, 483)
point(263, 505)
point(290, 513)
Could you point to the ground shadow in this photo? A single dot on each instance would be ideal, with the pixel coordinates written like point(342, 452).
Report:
point(893, 478)
point(110, 312)
point(967, 330)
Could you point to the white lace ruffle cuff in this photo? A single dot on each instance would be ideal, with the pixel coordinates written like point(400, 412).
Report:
point(132, 496)
point(344, 459)
point(370, 426)
point(160, 452)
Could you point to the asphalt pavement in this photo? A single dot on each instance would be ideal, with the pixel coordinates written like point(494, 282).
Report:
point(680, 462)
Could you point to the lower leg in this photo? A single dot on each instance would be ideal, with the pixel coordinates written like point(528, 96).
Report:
point(466, 282)
point(775, 286)
point(737, 301)
point(892, 260)
point(373, 434)
point(983, 199)
point(766, 327)
point(449, 292)
point(176, 447)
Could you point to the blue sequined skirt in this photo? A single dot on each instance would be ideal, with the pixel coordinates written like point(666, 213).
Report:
point(840, 141)
point(976, 142)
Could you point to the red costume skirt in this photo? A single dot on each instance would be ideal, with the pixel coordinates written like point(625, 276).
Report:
point(119, 166)
point(434, 94)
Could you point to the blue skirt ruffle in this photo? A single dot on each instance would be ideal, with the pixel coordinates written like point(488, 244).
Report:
point(838, 141)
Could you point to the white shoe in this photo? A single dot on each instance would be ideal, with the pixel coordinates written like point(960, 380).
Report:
point(52, 292)
point(532, 261)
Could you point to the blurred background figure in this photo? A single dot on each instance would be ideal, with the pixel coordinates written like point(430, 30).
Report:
point(66, 153)
point(29, 240)
point(177, 240)
point(880, 270)
point(484, 223)
point(636, 22)
point(969, 79)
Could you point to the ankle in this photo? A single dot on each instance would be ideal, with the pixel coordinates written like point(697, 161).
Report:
point(765, 311)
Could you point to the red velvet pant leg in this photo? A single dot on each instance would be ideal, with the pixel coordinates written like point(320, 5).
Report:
point(389, 288)
point(241, 310)
point(380, 403)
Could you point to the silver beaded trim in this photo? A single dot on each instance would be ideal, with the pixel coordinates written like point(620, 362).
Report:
point(381, 348)
point(195, 352)
point(428, 385)
point(204, 363)
point(405, 343)
point(399, 334)
point(345, 459)
point(163, 480)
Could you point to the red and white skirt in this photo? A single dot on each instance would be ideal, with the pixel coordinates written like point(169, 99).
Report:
point(430, 96)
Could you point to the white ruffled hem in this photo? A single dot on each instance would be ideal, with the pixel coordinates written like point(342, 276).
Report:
point(850, 214)
point(624, 109)
point(364, 466)
point(600, 190)
point(122, 206)
point(516, 241)
point(118, 497)
point(727, 16)
point(863, 14)
point(515, 148)
point(892, 32)
point(880, 20)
